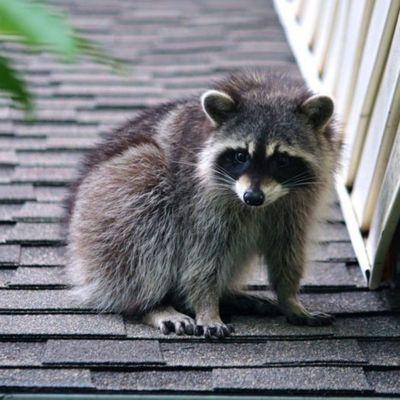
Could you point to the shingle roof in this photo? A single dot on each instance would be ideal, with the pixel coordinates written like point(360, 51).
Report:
point(171, 48)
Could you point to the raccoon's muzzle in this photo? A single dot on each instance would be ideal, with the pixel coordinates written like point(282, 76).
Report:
point(254, 197)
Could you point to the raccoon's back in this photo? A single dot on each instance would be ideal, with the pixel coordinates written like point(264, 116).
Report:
point(137, 131)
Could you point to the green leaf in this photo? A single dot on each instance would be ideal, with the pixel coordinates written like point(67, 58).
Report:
point(10, 82)
point(38, 27)
point(96, 53)
point(41, 29)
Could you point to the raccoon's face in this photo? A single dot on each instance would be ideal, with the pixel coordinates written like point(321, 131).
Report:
point(262, 151)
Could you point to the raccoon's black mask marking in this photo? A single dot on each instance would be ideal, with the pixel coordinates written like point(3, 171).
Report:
point(280, 166)
point(228, 162)
point(290, 170)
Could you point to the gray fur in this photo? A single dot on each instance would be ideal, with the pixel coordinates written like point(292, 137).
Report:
point(151, 229)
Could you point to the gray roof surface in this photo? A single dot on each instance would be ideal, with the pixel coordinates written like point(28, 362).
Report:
point(171, 48)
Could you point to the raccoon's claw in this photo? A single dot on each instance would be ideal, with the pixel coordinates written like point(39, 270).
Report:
point(198, 331)
point(217, 330)
point(178, 326)
point(166, 327)
point(311, 319)
point(189, 328)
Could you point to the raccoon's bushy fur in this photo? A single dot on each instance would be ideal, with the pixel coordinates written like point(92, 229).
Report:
point(152, 224)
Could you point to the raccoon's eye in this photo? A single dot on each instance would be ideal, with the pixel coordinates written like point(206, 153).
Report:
point(241, 157)
point(282, 161)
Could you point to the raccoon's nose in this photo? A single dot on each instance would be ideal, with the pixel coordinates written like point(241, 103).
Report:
point(253, 197)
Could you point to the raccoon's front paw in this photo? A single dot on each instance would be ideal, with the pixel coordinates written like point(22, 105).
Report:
point(311, 319)
point(212, 330)
point(179, 324)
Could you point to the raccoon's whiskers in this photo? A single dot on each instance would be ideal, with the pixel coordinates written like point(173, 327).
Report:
point(222, 174)
point(294, 178)
point(305, 184)
point(300, 180)
point(218, 171)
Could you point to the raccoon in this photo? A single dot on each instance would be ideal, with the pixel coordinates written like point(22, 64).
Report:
point(168, 210)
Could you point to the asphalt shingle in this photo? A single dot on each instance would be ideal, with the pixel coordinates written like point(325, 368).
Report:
point(103, 352)
point(310, 380)
point(334, 213)
point(46, 325)
point(5, 230)
point(271, 353)
point(7, 212)
point(8, 158)
point(333, 232)
point(321, 275)
point(6, 174)
point(16, 193)
point(42, 256)
point(107, 90)
point(157, 380)
point(59, 117)
point(213, 354)
point(5, 276)
point(45, 378)
point(276, 327)
point(334, 252)
point(37, 300)
point(44, 176)
point(18, 354)
point(120, 103)
point(68, 144)
point(22, 144)
point(48, 159)
point(39, 212)
point(36, 233)
point(384, 382)
point(322, 352)
point(393, 298)
point(368, 326)
point(50, 193)
point(56, 130)
point(382, 353)
point(9, 255)
point(42, 277)
point(357, 276)
point(347, 302)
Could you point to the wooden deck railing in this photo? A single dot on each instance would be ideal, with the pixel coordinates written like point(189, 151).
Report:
point(351, 50)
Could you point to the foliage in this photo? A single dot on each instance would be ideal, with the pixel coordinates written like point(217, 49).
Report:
point(40, 29)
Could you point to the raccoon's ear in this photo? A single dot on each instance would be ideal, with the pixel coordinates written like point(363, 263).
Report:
point(218, 106)
point(318, 109)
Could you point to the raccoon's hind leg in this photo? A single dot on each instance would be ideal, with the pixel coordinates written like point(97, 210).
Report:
point(120, 256)
point(249, 304)
point(167, 320)
point(285, 274)
point(285, 259)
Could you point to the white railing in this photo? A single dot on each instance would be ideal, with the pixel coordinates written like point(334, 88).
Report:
point(350, 49)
